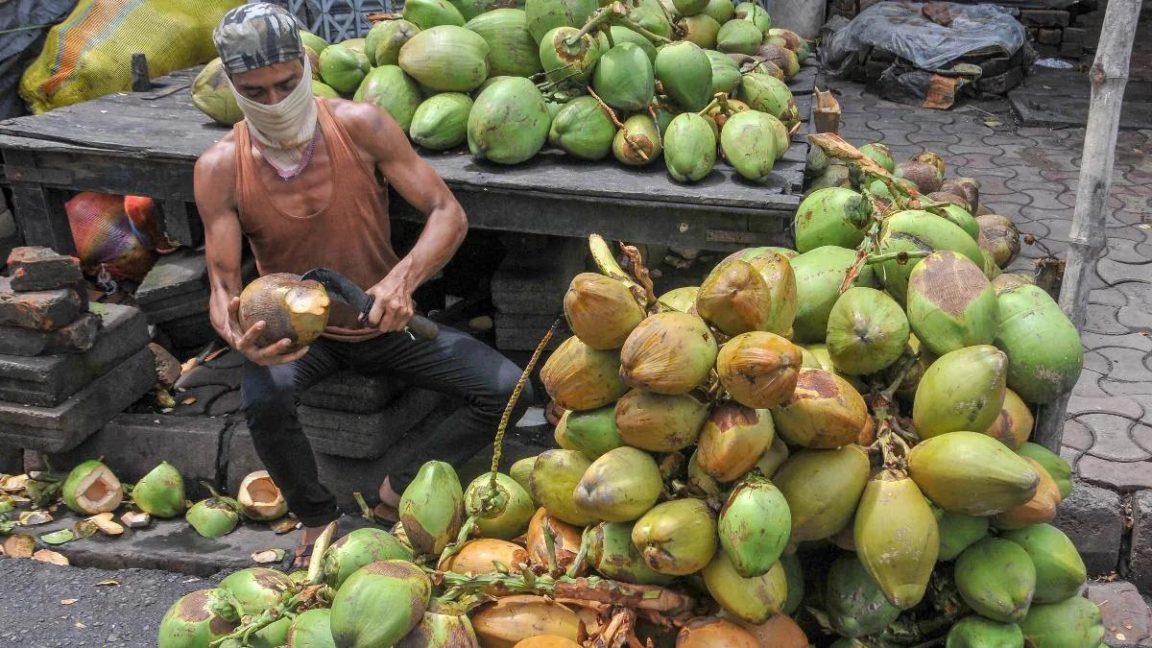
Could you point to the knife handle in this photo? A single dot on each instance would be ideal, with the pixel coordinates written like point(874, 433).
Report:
point(420, 326)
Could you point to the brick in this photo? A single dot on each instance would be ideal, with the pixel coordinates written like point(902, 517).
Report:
point(1091, 517)
point(39, 268)
point(1049, 36)
point(1071, 50)
point(353, 392)
point(1075, 35)
point(134, 444)
point(174, 275)
point(45, 310)
point(1140, 559)
point(48, 380)
point(1044, 17)
point(77, 337)
point(63, 427)
point(366, 436)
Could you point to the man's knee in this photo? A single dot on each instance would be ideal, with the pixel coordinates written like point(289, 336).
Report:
point(268, 400)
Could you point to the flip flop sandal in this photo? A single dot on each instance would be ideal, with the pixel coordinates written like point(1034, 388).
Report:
point(385, 515)
point(300, 558)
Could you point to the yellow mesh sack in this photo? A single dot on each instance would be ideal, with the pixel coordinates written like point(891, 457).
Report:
point(90, 54)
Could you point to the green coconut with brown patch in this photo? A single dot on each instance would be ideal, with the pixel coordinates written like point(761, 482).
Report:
point(819, 274)
point(611, 552)
point(951, 303)
point(835, 216)
point(1043, 347)
point(569, 62)
point(355, 550)
point(754, 526)
point(659, 422)
point(198, 619)
point(639, 142)
point(256, 589)
point(824, 411)
point(750, 290)
point(867, 331)
point(380, 604)
point(919, 231)
point(619, 486)
point(432, 507)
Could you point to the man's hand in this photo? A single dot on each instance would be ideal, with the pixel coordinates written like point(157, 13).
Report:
point(392, 307)
point(279, 352)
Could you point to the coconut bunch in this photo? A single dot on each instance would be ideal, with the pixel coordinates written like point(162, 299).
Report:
point(636, 80)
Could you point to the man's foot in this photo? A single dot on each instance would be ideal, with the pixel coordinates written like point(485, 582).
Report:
point(302, 556)
point(388, 510)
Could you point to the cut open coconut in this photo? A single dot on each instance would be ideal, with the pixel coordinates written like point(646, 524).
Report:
point(260, 498)
point(91, 488)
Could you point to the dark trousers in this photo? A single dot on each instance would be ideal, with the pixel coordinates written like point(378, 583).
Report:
point(454, 363)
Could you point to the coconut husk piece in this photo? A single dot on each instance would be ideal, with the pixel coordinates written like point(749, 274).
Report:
point(585, 590)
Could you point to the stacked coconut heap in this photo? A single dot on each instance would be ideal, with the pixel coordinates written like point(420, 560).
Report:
point(826, 443)
point(632, 79)
point(93, 492)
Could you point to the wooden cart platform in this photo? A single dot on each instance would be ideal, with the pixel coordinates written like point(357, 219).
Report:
point(146, 143)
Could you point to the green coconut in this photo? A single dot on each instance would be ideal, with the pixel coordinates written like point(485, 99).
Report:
point(651, 15)
point(677, 537)
point(1071, 623)
point(397, 93)
point(823, 489)
point(312, 629)
point(592, 432)
point(621, 34)
point(749, 144)
point(446, 58)
point(583, 129)
point(508, 123)
point(754, 13)
point(502, 509)
point(213, 95)
point(639, 142)
point(867, 331)
point(972, 474)
point(685, 73)
point(160, 493)
point(91, 488)
point(1058, 469)
point(511, 49)
point(919, 231)
point(569, 62)
point(961, 218)
point(725, 73)
point(977, 632)
point(619, 486)
point(700, 29)
point(1045, 355)
point(689, 7)
point(831, 216)
point(256, 589)
point(961, 390)
point(739, 37)
point(441, 121)
point(384, 40)
point(555, 476)
point(751, 600)
point(611, 552)
point(997, 579)
point(312, 41)
point(1060, 571)
point(754, 526)
point(321, 89)
point(379, 604)
point(198, 619)
point(623, 78)
point(880, 154)
point(546, 15)
point(951, 304)
point(854, 602)
point(355, 550)
point(819, 274)
point(769, 94)
point(432, 508)
point(720, 10)
point(213, 517)
point(343, 68)
point(689, 148)
point(958, 532)
point(427, 14)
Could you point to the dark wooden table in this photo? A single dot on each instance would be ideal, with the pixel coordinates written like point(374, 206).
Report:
point(146, 143)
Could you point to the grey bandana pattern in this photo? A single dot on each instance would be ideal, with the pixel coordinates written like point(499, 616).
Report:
point(257, 35)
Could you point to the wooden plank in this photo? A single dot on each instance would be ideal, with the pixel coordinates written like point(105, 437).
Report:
point(176, 221)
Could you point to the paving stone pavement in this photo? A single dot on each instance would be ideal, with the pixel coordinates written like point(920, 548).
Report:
point(1030, 174)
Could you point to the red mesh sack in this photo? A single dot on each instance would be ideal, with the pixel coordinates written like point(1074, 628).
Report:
point(107, 238)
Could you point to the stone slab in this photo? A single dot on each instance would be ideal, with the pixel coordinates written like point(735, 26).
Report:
point(45, 310)
point(47, 380)
point(1039, 109)
point(1044, 17)
point(195, 304)
point(534, 281)
point(40, 268)
point(77, 337)
point(366, 436)
point(1123, 476)
point(1127, 619)
point(1091, 517)
point(134, 444)
point(63, 427)
point(1140, 558)
point(174, 275)
point(353, 392)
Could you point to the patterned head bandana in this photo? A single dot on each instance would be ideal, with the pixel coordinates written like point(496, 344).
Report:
point(257, 35)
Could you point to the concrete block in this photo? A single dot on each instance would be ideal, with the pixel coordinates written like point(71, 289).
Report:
point(1075, 35)
point(1049, 36)
point(134, 444)
point(534, 281)
point(1044, 17)
point(45, 310)
point(77, 337)
point(174, 275)
point(353, 392)
point(48, 380)
point(63, 427)
point(366, 436)
point(192, 305)
point(1091, 517)
point(1140, 560)
point(1071, 50)
point(11, 461)
point(1002, 83)
point(1127, 618)
point(40, 268)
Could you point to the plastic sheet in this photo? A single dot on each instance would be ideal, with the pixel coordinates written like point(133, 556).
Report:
point(23, 24)
point(906, 30)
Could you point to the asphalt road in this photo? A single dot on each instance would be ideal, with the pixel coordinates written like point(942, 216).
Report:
point(33, 612)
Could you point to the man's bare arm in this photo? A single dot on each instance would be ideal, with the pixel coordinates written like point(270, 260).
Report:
point(214, 181)
point(419, 184)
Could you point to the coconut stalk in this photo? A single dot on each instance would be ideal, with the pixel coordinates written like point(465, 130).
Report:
point(592, 589)
point(1109, 76)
